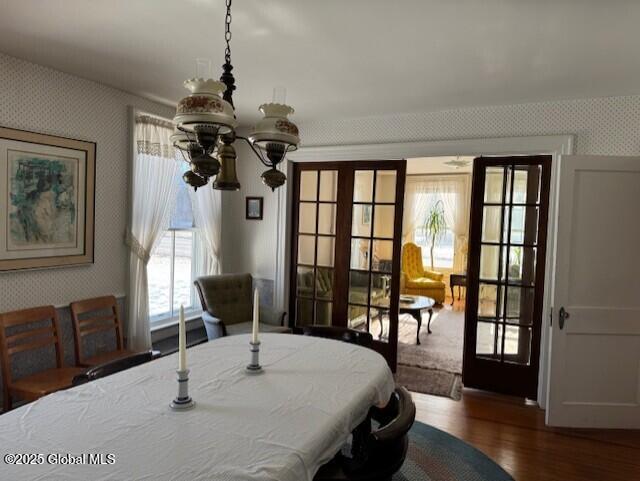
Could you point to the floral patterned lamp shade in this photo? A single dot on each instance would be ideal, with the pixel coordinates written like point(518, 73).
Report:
point(206, 129)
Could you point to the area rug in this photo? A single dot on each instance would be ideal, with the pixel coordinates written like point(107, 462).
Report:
point(437, 456)
point(434, 366)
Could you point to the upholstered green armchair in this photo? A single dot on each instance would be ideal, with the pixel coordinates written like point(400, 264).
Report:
point(227, 302)
point(416, 279)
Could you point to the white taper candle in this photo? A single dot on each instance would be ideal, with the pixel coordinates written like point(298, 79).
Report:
point(182, 341)
point(256, 320)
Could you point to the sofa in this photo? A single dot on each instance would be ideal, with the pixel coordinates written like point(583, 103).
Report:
point(227, 304)
point(416, 280)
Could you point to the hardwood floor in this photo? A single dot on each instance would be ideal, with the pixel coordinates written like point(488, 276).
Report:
point(512, 433)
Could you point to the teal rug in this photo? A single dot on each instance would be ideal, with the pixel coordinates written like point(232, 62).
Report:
point(437, 456)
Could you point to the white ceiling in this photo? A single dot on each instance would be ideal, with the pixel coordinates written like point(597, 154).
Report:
point(342, 58)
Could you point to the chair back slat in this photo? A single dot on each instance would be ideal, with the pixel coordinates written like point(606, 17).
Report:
point(27, 316)
point(98, 327)
point(95, 321)
point(41, 332)
point(87, 320)
point(30, 346)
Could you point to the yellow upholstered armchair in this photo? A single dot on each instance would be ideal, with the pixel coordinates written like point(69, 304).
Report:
point(416, 279)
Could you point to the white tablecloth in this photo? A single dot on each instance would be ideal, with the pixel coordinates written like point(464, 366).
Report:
point(280, 425)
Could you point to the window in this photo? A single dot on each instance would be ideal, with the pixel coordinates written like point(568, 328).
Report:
point(171, 269)
point(445, 248)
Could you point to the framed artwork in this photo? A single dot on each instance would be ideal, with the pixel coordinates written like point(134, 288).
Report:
point(254, 208)
point(47, 200)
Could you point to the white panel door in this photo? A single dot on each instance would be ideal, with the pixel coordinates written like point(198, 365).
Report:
point(595, 350)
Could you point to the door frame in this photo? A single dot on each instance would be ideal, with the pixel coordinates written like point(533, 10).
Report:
point(554, 145)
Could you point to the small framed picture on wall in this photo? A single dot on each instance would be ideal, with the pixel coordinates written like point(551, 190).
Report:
point(254, 208)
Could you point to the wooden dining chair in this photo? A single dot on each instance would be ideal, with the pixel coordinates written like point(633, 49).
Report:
point(92, 316)
point(383, 451)
point(113, 367)
point(16, 337)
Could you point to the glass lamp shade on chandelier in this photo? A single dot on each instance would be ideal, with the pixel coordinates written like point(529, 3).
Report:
point(205, 130)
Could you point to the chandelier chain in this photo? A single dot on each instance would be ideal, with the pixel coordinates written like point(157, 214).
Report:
point(227, 33)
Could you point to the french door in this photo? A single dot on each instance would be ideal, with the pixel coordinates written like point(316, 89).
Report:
point(346, 241)
point(505, 286)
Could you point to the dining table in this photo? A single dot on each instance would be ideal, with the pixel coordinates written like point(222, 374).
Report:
point(280, 424)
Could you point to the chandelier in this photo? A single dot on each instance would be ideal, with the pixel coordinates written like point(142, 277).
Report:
point(205, 130)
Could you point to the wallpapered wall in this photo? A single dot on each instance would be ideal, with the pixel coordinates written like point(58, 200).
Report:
point(607, 126)
point(43, 100)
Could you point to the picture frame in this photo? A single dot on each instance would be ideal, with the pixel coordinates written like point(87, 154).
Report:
point(254, 208)
point(47, 200)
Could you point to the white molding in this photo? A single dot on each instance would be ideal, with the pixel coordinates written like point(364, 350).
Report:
point(556, 145)
point(542, 144)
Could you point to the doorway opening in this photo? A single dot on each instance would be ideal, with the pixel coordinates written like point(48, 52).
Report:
point(476, 224)
point(435, 241)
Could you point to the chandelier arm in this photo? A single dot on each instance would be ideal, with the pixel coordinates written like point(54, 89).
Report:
point(255, 151)
point(175, 145)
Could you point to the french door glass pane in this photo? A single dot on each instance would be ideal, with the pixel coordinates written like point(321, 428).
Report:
point(304, 314)
point(358, 287)
point(324, 283)
point(329, 185)
point(491, 223)
point(327, 219)
point(309, 185)
point(489, 262)
point(520, 304)
point(517, 344)
point(380, 290)
point(326, 250)
point(384, 221)
point(363, 186)
point(493, 185)
point(522, 264)
point(524, 224)
point(386, 186)
point(361, 220)
point(360, 252)
point(382, 255)
point(307, 218)
point(489, 304)
point(488, 340)
point(526, 182)
point(323, 313)
point(304, 281)
point(379, 324)
point(358, 318)
point(306, 249)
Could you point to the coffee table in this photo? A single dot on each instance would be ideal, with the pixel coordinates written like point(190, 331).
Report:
point(415, 308)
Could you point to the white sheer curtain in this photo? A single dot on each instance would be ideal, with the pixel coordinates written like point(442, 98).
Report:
point(207, 215)
point(454, 192)
point(154, 174)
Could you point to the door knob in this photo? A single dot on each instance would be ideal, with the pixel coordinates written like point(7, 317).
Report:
point(563, 316)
